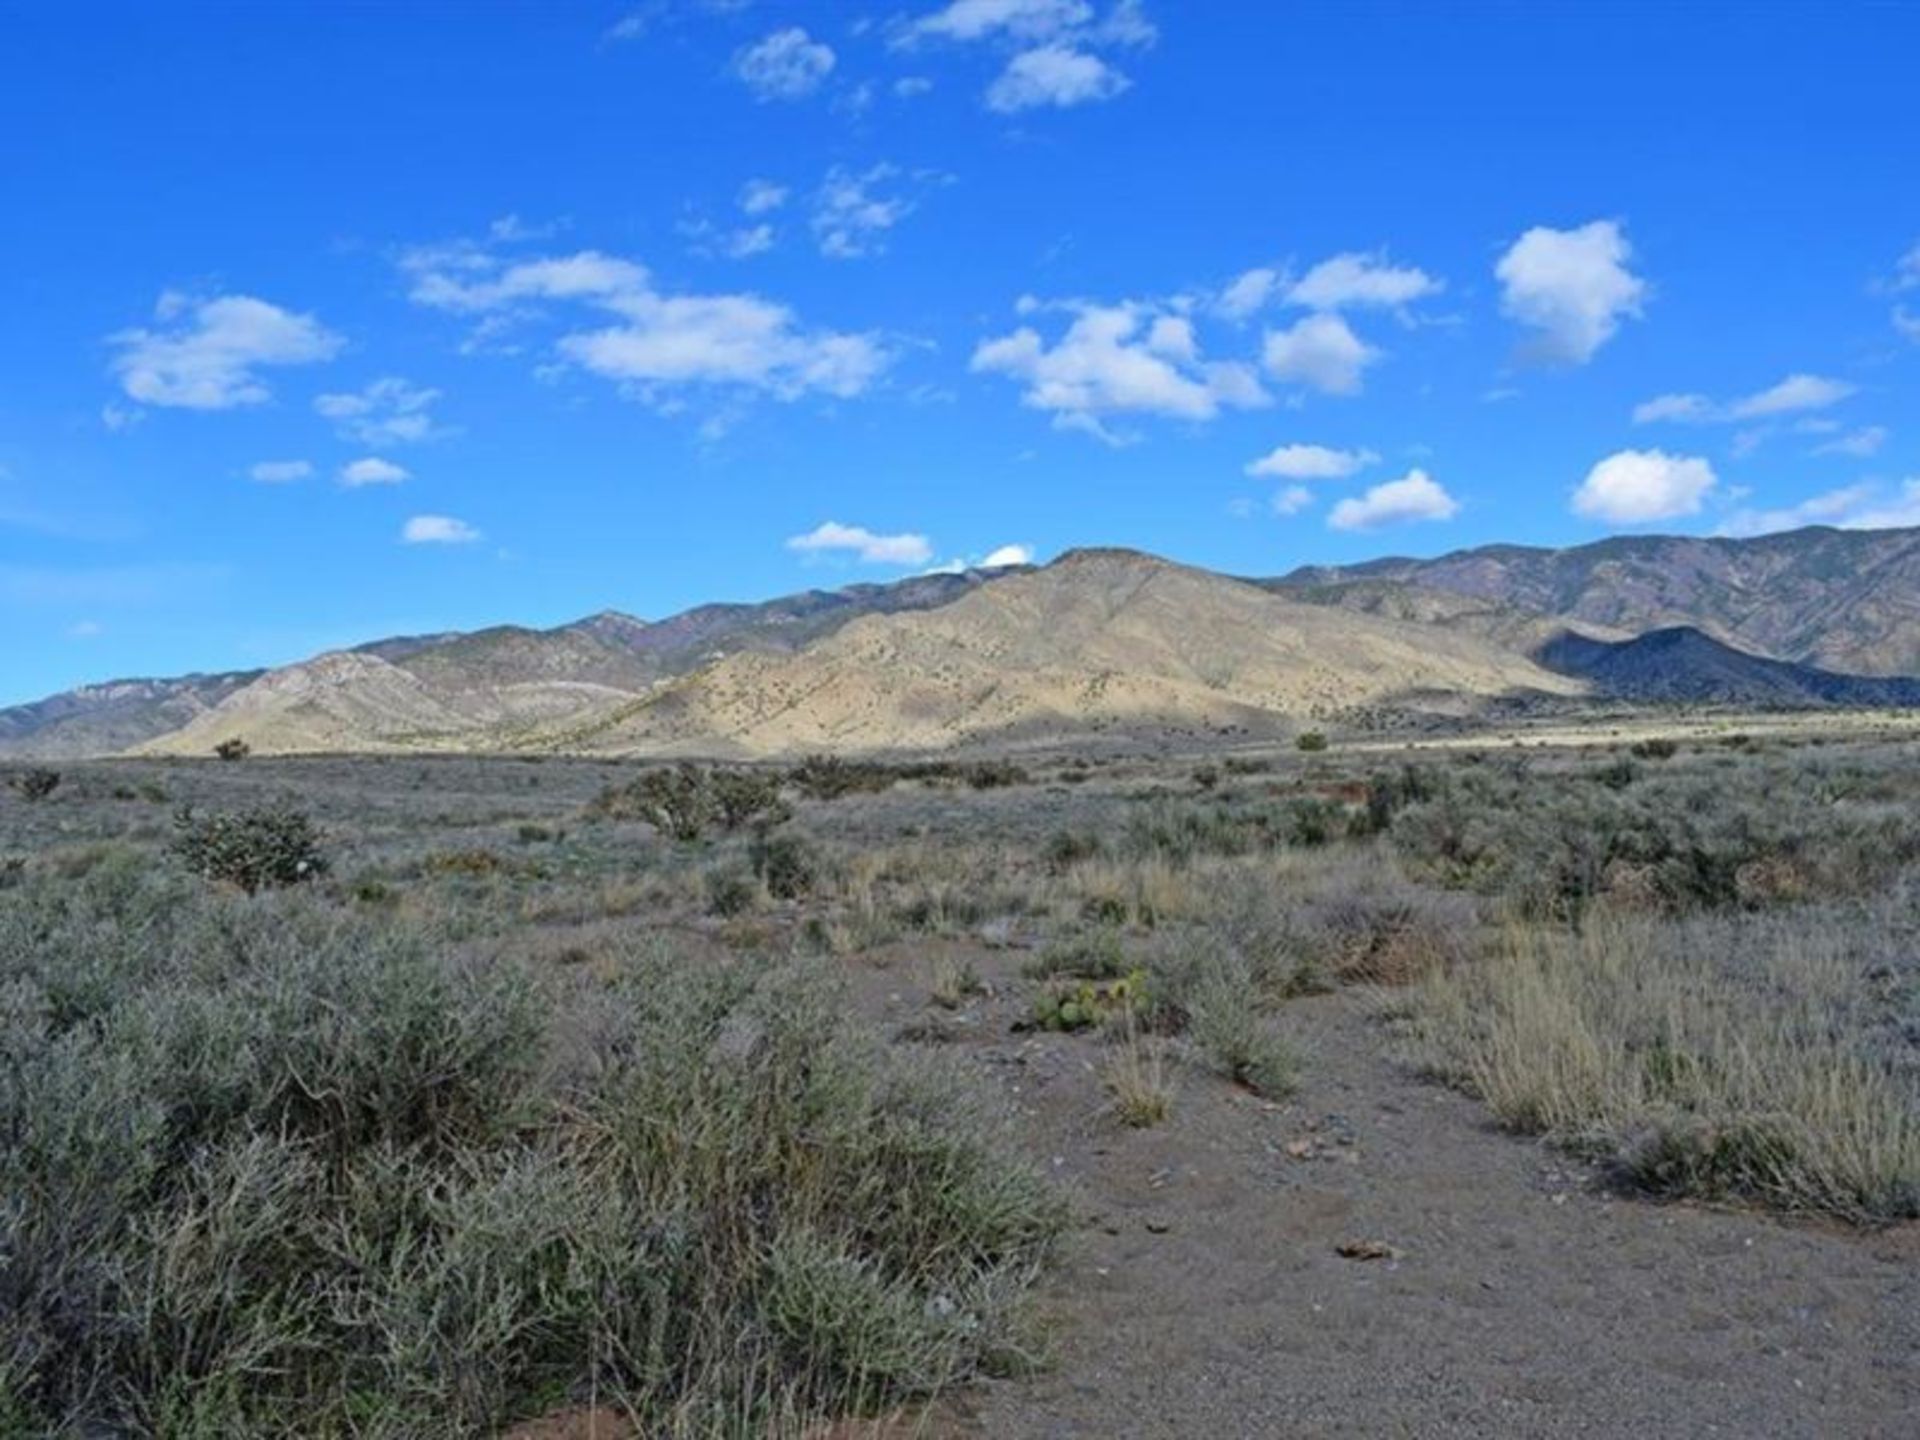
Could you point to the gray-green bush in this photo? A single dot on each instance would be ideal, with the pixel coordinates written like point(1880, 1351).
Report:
point(272, 1164)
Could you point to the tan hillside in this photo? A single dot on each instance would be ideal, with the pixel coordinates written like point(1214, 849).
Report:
point(1098, 640)
point(356, 701)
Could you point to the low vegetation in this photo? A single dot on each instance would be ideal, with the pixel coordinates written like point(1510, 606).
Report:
point(277, 1167)
point(428, 1098)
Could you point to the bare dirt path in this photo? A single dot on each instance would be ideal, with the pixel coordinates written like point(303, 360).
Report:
point(1205, 1295)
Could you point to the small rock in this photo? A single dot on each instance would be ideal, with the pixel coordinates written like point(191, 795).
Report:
point(1159, 1227)
point(1368, 1250)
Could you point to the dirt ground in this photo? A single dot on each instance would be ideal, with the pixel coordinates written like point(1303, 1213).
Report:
point(1204, 1293)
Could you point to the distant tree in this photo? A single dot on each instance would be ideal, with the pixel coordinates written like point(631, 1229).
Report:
point(234, 749)
point(1311, 741)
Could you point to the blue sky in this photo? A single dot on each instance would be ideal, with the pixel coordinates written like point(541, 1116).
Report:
point(325, 322)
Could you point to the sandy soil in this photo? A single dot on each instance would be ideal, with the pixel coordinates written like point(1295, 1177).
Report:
point(1205, 1295)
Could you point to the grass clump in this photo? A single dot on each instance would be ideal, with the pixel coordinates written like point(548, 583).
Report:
point(1137, 1080)
point(1720, 1058)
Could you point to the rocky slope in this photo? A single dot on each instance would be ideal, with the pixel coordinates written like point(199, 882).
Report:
point(1844, 600)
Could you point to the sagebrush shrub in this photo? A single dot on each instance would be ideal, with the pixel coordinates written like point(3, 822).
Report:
point(34, 784)
point(270, 845)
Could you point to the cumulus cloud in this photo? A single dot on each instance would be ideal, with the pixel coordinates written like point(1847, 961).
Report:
point(1866, 506)
point(1007, 555)
point(1355, 279)
point(1129, 358)
point(1056, 75)
point(786, 65)
point(851, 217)
point(982, 19)
point(659, 342)
point(1291, 499)
point(748, 240)
point(372, 470)
point(1688, 407)
point(1311, 462)
point(1796, 394)
point(206, 353)
point(1248, 293)
point(390, 411)
point(1633, 487)
point(1571, 286)
point(279, 472)
point(1415, 496)
point(761, 197)
point(437, 530)
point(1056, 43)
point(831, 537)
point(1321, 351)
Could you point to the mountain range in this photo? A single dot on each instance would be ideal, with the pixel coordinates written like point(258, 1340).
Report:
point(1097, 642)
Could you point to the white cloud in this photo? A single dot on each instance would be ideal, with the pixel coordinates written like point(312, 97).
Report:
point(1907, 322)
point(1633, 487)
point(749, 240)
point(1250, 292)
point(663, 341)
point(1906, 275)
point(1008, 555)
point(1311, 462)
point(1322, 351)
point(1056, 75)
point(851, 220)
point(786, 65)
point(1356, 279)
point(1689, 407)
point(1897, 512)
point(1573, 286)
point(511, 230)
point(1291, 499)
point(909, 87)
point(1866, 506)
point(1858, 444)
point(207, 360)
point(1796, 392)
point(1127, 24)
point(390, 411)
point(437, 530)
point(1415, 496)
point(280, 472)
point(372, 470)
point(762, 197)
point(1105, 365)
point(1022, 19)
point(863, 544)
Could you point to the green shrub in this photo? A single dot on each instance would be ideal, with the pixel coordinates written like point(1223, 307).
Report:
point(233, 749)
point(788, 865)
point(676, 800)
point(254, 849)
point(741, 797)
point(1311, 741)
point(34, 784)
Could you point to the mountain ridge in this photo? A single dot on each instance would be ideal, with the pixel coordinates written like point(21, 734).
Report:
point(1102, 636)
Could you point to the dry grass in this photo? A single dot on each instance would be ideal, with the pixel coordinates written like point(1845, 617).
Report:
point(1138, 1080)
point(1719, 1058)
